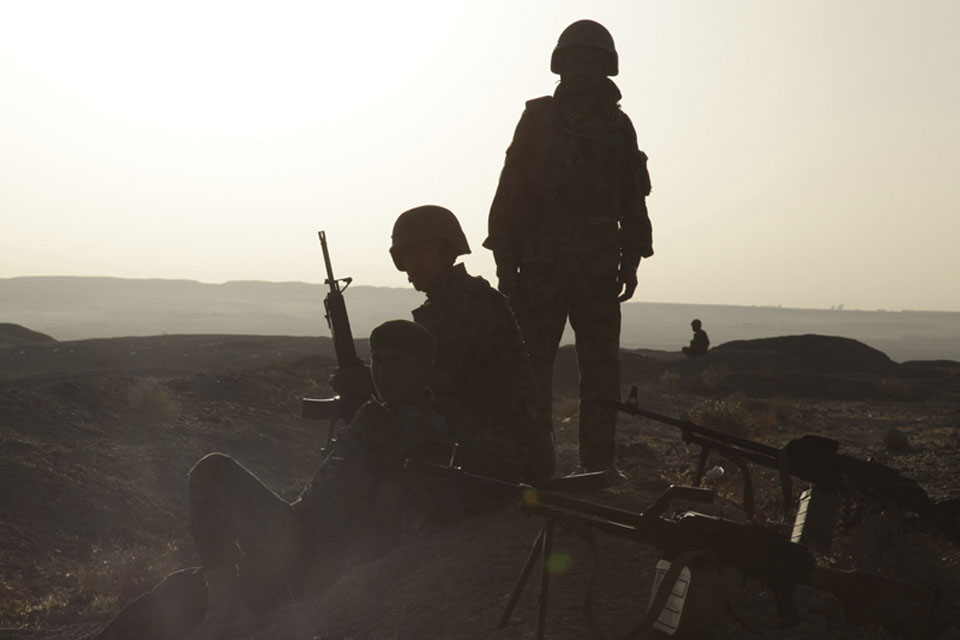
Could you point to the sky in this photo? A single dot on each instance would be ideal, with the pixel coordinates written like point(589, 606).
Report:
point(802, 154)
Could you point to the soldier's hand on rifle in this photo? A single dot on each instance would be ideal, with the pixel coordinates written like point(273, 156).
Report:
point(354, 383)
point(627, 279)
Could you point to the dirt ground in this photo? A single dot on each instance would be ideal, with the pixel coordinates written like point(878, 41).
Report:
point(97, 436)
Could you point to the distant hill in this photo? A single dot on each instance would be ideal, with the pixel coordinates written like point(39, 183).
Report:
point(11, 334)
point(71, 308)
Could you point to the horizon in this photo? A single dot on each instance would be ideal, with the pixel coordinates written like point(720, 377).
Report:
point(839, 308)
point(802, 156)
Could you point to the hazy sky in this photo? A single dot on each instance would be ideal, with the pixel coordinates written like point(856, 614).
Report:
point(803, 154)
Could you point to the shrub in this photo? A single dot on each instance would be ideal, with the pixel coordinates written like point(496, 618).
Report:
point(783, 408)
point(713, 377)
point(730, 414)
point(152, 402)
point(668, 378)
point(895, 389)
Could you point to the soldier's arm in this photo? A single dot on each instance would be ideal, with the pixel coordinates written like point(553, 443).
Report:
point(636, 232)
point(510, 205)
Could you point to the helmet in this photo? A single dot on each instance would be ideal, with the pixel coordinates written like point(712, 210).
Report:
point(424, 224)
point(586, 33)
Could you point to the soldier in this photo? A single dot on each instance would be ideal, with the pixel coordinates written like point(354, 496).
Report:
point(700, 342)
point(482, 379)
point(257, 550)
point(569, 225)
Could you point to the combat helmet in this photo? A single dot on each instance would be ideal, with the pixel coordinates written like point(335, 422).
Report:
point(424, 224)
point(586, 33)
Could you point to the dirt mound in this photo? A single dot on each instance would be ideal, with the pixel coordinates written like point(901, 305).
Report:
point(812, 366)
point(812, 352)
point(12, 334)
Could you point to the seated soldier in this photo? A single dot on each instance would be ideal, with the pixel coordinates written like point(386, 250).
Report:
point(699, 344)
point(257, 549)
point(483, 379)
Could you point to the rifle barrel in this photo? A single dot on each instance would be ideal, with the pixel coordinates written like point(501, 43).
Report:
point(688, 427)
point(331, 281)
point(757, 457)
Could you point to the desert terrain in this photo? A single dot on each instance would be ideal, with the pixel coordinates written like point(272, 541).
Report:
point(97, 436)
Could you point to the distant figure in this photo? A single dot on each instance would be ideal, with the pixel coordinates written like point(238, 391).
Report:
point(258, 550)
point(699, 344)
point(568, 227)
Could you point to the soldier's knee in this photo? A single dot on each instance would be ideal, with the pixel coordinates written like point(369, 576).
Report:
point(211, 469)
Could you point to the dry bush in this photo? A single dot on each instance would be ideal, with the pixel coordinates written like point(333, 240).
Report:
point(713, 377)
point(669, 378)
point(895, 389)
point(762, 420)
point(738, 415)
point(112, 576)
point(99, 585)
point(152, 402)
point(783, 408)
point(730, 414)
point(886, 544)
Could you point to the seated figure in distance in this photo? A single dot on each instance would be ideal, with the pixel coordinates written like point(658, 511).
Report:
point(700, 342)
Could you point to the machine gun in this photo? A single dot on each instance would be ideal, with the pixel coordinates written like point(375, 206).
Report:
point(692, 542)
point(816, 460)
point(336, 408)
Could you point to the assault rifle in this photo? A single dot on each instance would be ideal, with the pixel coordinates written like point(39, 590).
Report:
point(335, 311)
point(816, 460)
point(698, 542)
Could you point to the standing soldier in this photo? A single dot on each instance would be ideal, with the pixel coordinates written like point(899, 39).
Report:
point(568, 227)
point(482, 379)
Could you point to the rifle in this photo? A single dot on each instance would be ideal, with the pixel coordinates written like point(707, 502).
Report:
point(693, 541)
point(816, 460)
point(335, 311)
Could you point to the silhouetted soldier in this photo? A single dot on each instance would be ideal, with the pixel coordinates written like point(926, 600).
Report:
point(258, 550)
point(482, 379)
point(699, 344)
point(569, 225)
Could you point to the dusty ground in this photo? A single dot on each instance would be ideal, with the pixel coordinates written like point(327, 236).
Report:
point(96, 438)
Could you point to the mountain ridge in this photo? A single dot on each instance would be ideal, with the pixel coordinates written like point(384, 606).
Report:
point(79, 307)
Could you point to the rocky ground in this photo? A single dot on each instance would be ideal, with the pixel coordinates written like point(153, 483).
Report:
point(96, 438)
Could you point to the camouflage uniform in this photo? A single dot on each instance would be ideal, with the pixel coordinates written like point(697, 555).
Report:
point(482, 377)
point(358, 506)
point(570, 213)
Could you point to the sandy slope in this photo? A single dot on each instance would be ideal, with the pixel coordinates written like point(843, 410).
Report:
point(96, 438)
